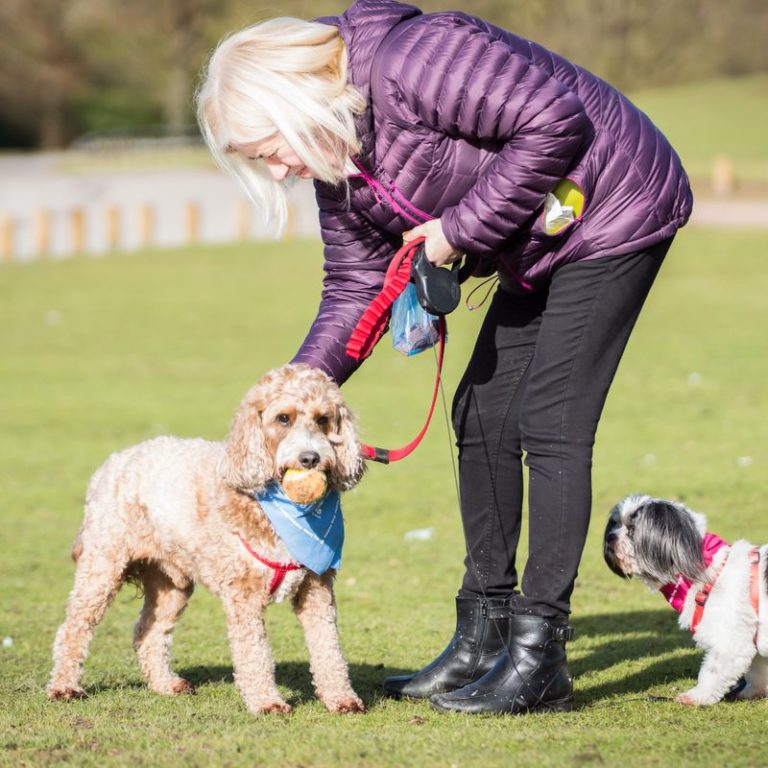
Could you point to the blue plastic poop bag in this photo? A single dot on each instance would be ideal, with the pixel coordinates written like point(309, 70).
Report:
point(413, 328)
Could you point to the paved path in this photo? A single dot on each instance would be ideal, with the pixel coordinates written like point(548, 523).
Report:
point(31, 183)
point(731, 214)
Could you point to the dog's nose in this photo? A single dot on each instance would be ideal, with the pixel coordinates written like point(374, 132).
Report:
point(309, 459)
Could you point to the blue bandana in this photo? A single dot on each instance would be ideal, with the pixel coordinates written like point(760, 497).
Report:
point(313, 533)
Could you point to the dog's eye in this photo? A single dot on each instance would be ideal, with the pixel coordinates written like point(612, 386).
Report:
point(284, 419)
point(322, 421)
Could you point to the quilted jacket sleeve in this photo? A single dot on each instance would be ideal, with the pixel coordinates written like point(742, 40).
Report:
point(357, 255)
point(458, 78)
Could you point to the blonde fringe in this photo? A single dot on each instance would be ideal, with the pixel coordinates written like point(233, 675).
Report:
point(285, 76)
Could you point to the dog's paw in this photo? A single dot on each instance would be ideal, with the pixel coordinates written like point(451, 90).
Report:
point(345, 706)
point(694, 698)
point(66, 693)
point(182, 686)
point(277, 707)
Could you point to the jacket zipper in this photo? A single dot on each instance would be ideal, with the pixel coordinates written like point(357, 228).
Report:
point(380, 191)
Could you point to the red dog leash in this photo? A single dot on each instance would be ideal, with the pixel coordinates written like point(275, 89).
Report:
point(370, 329)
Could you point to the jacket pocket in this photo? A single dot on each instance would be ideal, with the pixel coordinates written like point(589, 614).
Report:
point(540, 239)
point(564, 208)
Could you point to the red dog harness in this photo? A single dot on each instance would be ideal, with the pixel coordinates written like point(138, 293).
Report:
point(370, 329)
point(280, 569)
point(754, 589)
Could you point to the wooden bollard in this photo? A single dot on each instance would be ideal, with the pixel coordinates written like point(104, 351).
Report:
point(77, 229)
point(243, 220)
point(7, 232)
point(113, 227)
point(192, 222)
point(723, 176)
point(43, 232)
point(290, 221)
point(147, 225)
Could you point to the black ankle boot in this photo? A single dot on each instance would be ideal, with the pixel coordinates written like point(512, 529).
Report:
point(532, 677)
point(480, 638)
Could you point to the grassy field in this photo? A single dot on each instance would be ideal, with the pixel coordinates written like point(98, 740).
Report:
point(716, 117)
point(96, 354)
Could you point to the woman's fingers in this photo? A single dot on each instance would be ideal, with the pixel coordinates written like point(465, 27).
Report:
point(412, 234)
point(438, 250)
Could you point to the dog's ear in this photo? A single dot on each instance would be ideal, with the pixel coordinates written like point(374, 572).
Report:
point(350, 464)
point(612, 532)
point(666, 542)
point(248, 465)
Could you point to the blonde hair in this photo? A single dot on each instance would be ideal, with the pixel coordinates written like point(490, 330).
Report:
point(285, 76)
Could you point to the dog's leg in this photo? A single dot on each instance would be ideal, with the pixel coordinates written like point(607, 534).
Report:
point(97, 581)
point(720, 670)
point(164, 602)
point(251, 655)
point(315, 608)
point(757, 680)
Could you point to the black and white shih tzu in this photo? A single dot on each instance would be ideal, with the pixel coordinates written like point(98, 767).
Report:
point(719, 589)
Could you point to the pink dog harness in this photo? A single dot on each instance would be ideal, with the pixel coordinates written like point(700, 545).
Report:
point(676, 592)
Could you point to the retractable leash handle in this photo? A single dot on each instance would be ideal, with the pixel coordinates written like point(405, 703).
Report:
point(437, 289)
point(439, 293)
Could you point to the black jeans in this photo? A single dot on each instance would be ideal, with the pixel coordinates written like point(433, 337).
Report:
point(536, 384)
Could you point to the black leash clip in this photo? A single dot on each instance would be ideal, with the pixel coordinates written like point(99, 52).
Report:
point(437, 289)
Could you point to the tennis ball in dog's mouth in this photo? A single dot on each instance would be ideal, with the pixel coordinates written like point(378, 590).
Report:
point(303, 486)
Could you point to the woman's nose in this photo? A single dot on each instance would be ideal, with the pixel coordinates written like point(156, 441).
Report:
point(278, 170)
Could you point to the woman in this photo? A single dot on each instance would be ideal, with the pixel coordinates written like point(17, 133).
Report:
point(488, 145)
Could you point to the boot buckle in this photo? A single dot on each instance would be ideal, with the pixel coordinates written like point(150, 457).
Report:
point(562, 634)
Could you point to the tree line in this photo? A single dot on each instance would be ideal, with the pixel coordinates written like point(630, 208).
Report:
point(73, 68)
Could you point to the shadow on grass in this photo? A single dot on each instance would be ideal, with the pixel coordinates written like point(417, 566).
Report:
point(366, 679)
point(612, 638)
point(617, 638)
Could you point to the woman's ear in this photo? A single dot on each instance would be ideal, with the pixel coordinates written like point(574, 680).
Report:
point(247, 464)
point(350, 464)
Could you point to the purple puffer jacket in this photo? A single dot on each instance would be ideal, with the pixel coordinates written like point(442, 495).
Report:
point(471, 124)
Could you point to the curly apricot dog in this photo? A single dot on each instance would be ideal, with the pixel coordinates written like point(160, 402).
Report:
point(170, 512)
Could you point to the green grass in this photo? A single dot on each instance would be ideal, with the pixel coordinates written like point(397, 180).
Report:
point(96, 354)
point(716, 117)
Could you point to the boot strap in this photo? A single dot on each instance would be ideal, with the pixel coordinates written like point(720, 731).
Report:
point(562, 634)
point(495, 611)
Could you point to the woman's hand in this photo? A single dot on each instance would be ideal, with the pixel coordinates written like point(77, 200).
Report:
point(438, 250)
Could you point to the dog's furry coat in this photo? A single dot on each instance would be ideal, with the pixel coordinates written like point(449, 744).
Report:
point(657, 541)
point(168, 513)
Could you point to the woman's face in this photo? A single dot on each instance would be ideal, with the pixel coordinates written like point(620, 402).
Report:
point(281, 160)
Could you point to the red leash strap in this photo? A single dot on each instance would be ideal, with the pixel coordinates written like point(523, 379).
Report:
point(370, 329)
point(386, 456)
